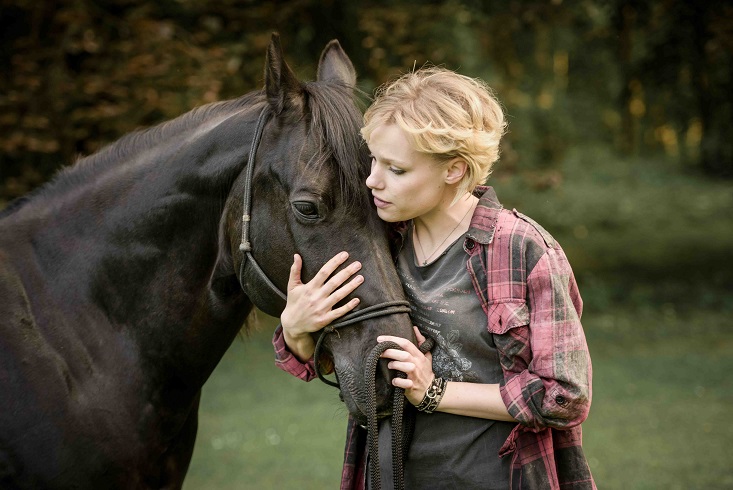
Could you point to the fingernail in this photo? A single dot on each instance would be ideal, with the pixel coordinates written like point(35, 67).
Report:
point(359, 278)
point(344, 255)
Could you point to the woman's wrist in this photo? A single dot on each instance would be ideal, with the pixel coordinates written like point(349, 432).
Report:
point(474, 400)
point(300, 344)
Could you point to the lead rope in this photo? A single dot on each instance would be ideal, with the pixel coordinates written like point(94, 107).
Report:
point(401, 426)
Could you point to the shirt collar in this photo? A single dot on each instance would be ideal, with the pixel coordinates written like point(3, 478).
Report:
point(483, 222)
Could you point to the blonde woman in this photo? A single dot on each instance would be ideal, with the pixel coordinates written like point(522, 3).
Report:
point(509, 380)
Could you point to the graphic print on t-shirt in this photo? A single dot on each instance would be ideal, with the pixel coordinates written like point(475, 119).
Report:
point(448, 362)
point(436, 317)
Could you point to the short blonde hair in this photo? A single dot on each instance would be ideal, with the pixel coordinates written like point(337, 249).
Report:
point(446, 115)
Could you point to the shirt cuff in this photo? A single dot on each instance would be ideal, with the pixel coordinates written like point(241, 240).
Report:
point(285, 360)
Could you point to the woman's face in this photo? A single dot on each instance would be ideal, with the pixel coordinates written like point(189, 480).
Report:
point(406, 184)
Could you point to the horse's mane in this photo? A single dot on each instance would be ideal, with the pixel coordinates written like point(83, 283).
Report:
point(128, 145)
point(145, 139)
point(336, 118)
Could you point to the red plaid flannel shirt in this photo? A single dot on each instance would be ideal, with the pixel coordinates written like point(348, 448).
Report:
point(528, 291)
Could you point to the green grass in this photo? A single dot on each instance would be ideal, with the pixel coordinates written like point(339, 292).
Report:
point(262, 428)
point(650, 244)
point(661, 407)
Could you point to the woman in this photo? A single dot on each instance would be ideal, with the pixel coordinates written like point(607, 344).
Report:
point(510, 374)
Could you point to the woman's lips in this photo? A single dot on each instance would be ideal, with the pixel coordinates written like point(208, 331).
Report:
point(379, 203)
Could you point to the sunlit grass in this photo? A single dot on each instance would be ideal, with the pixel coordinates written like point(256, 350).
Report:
point(262, 428)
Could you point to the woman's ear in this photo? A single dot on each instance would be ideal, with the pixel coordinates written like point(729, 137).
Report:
point(456, 169)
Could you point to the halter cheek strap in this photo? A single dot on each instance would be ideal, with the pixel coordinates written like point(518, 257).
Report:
point(245, 246)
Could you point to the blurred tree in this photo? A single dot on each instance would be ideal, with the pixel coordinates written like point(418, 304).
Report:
point(675, 58)
point(77, 74)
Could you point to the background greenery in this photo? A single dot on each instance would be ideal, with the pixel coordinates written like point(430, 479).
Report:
point(620, 144)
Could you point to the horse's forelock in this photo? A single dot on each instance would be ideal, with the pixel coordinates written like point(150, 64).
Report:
point(336, 120)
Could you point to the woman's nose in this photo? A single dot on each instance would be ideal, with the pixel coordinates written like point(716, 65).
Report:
point(374, 180)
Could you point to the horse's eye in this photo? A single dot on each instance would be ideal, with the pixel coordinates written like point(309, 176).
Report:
point(306, 210)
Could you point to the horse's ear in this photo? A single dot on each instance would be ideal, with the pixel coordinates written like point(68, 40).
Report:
point(335, 65)
point(282, 87)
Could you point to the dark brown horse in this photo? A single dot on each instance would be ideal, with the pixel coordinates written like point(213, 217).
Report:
point(122, 282)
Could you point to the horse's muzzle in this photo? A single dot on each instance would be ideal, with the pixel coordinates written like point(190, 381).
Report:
point(355, 392)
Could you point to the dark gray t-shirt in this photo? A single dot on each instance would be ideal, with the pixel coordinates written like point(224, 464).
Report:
point(450, 451)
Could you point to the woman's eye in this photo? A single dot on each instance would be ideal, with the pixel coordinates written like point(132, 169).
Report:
point(306, 209)
point(396, 171)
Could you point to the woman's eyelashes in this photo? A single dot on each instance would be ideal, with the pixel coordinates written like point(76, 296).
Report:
point(391, 168)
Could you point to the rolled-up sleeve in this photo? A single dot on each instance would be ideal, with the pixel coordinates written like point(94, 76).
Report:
point(547, 368)
point(285, 360)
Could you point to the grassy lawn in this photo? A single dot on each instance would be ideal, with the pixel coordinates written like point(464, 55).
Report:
point(262, 428)
point(650, 245)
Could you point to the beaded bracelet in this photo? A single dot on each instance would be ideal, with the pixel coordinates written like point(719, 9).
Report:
point(433, 395)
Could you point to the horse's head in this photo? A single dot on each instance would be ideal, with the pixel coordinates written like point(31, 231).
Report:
point(309, 197)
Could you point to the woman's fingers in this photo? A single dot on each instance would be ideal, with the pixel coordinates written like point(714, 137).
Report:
point(397, 355)
point(345, 290)
point(294, 278)
point(342, 276)
point(404, 383)
point(405, 367)
point(404, 344)
point(329, 267)
point(310, 306)
point(419, 336)
point(418, 367)
point(337, 313)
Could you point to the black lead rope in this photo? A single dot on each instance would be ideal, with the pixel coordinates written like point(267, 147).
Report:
point(402, 421)
point(402, 425)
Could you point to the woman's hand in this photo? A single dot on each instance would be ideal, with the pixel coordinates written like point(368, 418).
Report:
point(460, 398)
point(310, 305)
point(417, 366)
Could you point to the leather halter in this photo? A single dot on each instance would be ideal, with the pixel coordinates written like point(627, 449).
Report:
point(377, 310)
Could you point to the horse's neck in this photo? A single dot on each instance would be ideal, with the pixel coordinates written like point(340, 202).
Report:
point(138, 241)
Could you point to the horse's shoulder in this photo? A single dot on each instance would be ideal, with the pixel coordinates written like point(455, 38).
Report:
point(27, 353)
point(15, 300)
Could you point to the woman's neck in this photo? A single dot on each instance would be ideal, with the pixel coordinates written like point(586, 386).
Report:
point(435, 231)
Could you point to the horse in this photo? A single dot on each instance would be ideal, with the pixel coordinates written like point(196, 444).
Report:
point(125, 278)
